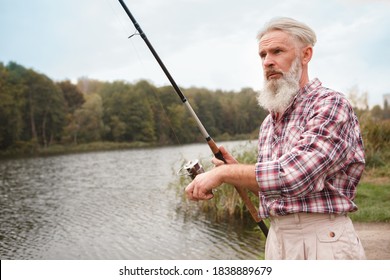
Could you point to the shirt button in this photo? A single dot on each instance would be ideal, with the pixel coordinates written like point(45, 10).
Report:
point(332, 234)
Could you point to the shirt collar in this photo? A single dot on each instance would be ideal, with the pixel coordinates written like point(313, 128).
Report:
point(309, 87)
point(305, 90)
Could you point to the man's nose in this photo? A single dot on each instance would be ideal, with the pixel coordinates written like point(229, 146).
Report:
point(268, 61)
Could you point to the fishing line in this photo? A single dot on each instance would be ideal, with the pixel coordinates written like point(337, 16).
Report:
point(165, 114)
point(117, 16)
point(141, 64)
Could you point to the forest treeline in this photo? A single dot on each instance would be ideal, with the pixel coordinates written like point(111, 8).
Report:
point(37, 112)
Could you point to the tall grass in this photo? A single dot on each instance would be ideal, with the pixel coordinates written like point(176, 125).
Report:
point(376, 138)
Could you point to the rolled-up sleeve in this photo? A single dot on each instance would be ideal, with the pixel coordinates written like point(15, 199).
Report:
point(268, 178)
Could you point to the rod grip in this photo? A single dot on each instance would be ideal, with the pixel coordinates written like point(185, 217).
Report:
point(219, 156)
point(214, 148)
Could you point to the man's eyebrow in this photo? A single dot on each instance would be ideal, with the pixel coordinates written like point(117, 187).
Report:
point(271, 48)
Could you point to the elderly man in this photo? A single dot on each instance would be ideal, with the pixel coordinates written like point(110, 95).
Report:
point(310, 155)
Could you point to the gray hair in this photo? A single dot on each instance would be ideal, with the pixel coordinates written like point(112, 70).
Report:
point(298, 30)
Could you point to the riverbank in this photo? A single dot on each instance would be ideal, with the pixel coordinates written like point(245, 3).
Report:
point(28, 150)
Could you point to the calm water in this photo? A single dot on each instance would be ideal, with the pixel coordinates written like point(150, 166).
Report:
point(111, 205)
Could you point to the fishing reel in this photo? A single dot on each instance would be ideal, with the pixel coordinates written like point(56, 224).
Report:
point(193, 168)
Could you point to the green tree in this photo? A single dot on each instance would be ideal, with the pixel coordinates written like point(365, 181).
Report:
point(167, 97)
point(114, 108)
point(74, 98)
point(89, 119)
point(43, 111)
point(11, 107)
point(46, 108)
point(128, 111)
point(250, 113)
point(145, 93)
point(207, 107)
point(36, 112)
point(183, 125)
point(117, 128)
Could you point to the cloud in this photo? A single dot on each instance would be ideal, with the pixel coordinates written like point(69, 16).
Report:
point(203, 43)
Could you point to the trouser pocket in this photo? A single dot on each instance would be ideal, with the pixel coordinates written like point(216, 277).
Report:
point(339, 241)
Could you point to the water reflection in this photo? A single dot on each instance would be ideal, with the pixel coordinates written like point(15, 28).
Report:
point(110, 205)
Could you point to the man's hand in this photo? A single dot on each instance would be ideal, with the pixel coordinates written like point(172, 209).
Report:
point(203, 184)
point(226, 155)
point(233, 173)
point(201, 188)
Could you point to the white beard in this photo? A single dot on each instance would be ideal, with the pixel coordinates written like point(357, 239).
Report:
point(277, 94)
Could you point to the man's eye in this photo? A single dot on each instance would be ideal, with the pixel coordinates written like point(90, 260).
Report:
point(277, 51)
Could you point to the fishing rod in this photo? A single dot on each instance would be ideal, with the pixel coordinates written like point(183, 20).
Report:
point(194, 167)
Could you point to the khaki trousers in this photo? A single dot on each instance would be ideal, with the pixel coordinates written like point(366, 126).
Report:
point(310, 236)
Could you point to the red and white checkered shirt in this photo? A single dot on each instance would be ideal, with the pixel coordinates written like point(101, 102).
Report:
point(311, 158)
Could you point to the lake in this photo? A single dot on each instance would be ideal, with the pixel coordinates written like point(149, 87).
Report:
point(113, 205)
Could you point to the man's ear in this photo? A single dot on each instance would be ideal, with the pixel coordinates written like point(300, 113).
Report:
point(307, 53)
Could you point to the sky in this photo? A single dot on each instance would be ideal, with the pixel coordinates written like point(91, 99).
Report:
point(203, 43)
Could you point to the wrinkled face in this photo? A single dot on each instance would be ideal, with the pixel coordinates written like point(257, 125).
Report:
point(282, 71)
point(277, 51)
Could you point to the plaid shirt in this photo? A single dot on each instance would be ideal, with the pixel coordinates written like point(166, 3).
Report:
point(312, 158)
